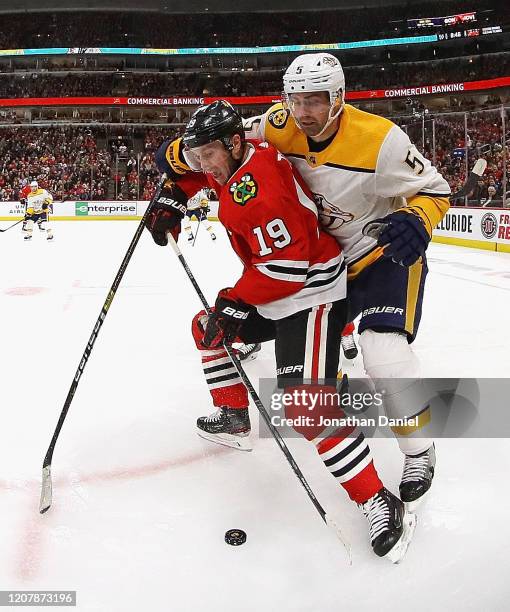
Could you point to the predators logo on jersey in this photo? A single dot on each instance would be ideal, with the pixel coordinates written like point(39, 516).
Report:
point(278, 118)
point(244, 190)
point(330, 215)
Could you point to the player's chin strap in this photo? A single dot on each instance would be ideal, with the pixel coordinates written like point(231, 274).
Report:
point(335, 115)
point(260, 406)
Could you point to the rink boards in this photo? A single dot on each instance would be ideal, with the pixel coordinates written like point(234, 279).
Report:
point(79, 210)
point(482, 228)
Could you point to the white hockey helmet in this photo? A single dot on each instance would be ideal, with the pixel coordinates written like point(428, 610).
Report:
point(34, 184)
point(316, 72)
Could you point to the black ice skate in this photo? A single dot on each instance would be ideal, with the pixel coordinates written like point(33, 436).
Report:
point(349, 347)
point(417, 477)
point(247, 352)
point(227, 426)
point(391, 526)
point(190, 237)
point(27, 237)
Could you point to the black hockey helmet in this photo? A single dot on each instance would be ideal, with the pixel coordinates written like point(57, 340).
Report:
point(216, 121)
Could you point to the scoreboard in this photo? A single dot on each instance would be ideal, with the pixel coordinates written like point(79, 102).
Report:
point(441, 22)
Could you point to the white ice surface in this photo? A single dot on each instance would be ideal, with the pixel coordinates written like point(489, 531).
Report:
point(141, 503)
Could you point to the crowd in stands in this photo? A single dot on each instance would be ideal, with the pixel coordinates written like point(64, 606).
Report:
point(140, 177)
point(66, 161)
point(40, 85)
point(248, 83)
point(89, 164)
point(163, 30)
point(428, 73)
point(80, 163)
point(484, 139)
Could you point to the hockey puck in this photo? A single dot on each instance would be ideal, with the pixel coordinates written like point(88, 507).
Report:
point(235, 537)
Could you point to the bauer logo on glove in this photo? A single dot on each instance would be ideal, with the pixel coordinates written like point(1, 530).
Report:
point(224, 323)
point(166, 214)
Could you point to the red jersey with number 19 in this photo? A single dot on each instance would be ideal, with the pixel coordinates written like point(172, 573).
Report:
point(290, 264)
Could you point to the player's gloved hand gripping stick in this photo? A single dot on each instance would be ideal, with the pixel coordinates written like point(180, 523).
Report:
point(403, 233)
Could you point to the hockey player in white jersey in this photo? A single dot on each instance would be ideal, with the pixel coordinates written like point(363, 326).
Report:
point(198, 207)
point(37, 211)
point(362, 168)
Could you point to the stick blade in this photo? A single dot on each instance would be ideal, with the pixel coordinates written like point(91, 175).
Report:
point(338, 532)
point(46, 490)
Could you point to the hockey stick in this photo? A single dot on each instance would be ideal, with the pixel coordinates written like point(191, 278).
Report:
point(374, 228)
point(11, 226)
point(196, 233)
point(46, 489)
point(260, 406)
point(472, 179)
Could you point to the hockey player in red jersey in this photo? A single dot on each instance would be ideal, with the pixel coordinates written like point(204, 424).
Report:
point(23, 195)
point(292, 290)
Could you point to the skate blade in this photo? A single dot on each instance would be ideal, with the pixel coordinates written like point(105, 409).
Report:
point(239, 442)
point(249, 357)
point(412, 506)
point(397, 553)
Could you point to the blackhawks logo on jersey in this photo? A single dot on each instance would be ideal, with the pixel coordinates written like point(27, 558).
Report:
point(244, 190)
point(278, 118)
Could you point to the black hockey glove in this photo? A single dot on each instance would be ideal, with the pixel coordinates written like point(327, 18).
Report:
point(224, 323)
point(404, 235)
point(166, 214)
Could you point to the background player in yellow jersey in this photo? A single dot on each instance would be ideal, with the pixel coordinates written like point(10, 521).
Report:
point(198, 207)
point(37, 211)
point(361, 168)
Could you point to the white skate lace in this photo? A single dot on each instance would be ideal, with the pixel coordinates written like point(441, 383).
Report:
point(245, 349)
point(415, 468)
point(348, 342)
point(215, 416)
point(377, 512)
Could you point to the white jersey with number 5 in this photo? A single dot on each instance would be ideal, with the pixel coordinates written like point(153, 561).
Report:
point(369, 169)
